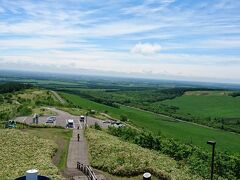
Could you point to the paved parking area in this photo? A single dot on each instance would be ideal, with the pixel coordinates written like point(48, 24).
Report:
point(61, 118)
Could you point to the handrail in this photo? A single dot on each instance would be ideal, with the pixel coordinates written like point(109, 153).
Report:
point(87, 170)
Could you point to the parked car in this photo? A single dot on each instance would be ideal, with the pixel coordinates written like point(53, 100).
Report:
point(54, 118)
point(49, 121)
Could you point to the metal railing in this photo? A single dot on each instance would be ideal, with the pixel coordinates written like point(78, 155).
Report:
point(87, 170)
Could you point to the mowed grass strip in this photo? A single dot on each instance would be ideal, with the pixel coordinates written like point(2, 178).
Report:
point(185, 132)
point(121, 158)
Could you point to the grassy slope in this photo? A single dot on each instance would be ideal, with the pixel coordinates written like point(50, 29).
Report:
point(20, 151)
point(121, 158)
point(183, 131)
point(26, 98)
point(207, 106)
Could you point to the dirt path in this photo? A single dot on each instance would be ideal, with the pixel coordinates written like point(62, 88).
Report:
point(62, 101)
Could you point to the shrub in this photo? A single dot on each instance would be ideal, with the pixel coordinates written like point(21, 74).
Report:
point(123, 118)
point(97, 126)
point(24, 110)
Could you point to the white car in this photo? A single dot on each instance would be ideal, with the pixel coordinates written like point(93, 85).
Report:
point(82, 118)
point(70, 123)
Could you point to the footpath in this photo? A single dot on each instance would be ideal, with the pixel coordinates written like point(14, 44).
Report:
point(78, 152)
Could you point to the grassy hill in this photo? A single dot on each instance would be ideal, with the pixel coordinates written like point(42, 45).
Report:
point(117, 157)
point(184, 132)
point(22, 102)
point(217, 109)
point(210, 107)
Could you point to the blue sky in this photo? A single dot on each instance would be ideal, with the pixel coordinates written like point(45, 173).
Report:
point(177, 39)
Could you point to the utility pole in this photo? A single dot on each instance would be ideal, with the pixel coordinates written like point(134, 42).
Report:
point(213, 143)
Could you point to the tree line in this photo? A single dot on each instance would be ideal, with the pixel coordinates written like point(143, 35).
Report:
point(10, 87)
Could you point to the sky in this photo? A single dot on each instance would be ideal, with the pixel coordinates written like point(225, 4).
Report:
point(160, 39)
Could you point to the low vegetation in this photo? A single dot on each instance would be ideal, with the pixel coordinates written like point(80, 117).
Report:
point(20, 151)
point(41, 111)
point(198, 160)
point(74, 111)
point(61, 137)
point(117, 157)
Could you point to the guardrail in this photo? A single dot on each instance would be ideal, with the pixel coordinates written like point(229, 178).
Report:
point(87, 170)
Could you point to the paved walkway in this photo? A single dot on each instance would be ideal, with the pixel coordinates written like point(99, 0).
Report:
point(77, 150)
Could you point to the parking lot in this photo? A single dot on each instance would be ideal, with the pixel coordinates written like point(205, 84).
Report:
point(61, 119)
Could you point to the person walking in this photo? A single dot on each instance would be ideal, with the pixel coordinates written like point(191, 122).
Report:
point(78, 136)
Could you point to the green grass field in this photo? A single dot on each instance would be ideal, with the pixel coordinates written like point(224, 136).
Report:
point(215, 109)
point(213, 105)
point(187, 133)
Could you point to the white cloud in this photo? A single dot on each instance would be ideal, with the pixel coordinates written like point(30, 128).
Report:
point(146, 48)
